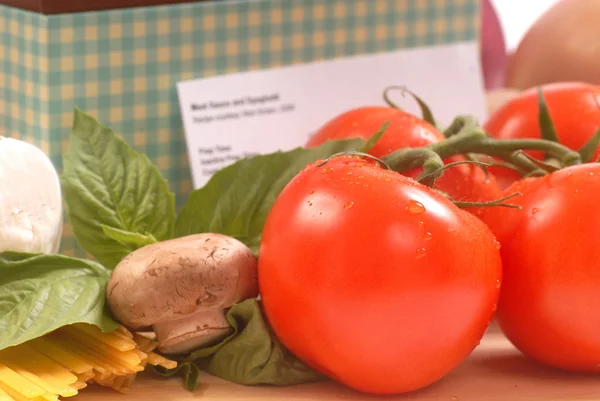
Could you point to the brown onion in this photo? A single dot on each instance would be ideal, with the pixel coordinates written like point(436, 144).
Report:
point(562, 45)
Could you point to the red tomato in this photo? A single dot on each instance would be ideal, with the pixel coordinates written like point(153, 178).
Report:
point(573, 107)
point(405, 130)
point(549, 306)
point(373, 279)
point(463, 183)
point(503, 221)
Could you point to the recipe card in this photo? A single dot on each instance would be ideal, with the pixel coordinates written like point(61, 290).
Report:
point(229, 117)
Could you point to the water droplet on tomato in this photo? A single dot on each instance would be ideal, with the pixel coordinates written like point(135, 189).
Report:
point(311, 192)
point(421, 252)
point(498, 284)
point(498, 244)
point(534, 210)
point(388, 179)
point(415, 207)
point(361, 177)
point(346, 162)
point(495, 308)
point(359, 164)
point(349, 173)
point(348, 205)
point(365, 186)
point(427, 236)
point(327, 170)
point(591, 173)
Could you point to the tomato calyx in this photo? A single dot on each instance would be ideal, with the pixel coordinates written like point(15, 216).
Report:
point(374, 138)
point(587, 151)
point(426, 113)
point(548, 166)
point(547, 129)
point(358, 154)
point(548, 132)
point(498, 202)
point(432, 170)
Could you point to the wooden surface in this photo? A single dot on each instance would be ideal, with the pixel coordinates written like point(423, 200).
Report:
point(496, 371)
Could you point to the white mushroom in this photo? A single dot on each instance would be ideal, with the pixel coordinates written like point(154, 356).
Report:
point(31, 211)
point(182, 288)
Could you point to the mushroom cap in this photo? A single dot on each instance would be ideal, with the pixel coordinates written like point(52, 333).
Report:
point(172, 279)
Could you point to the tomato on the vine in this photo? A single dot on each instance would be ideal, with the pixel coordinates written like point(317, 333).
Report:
point(550, 305)
point(404, 130)
point(573, 107)
point(373, 279)
point(461, 183)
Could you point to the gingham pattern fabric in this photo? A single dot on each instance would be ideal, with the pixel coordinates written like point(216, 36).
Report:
point(24, 69)
point(122, 66)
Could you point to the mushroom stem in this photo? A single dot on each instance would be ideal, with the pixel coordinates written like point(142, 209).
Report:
point(192, 331)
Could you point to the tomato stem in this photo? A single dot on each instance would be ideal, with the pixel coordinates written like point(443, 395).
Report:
point(432, 170)
point(472, 139)
point(409, 158)
point(428, 176)
point(505, 165)
point(483, 144)
point(536, 173)
point(460, 125)
point(497, 202)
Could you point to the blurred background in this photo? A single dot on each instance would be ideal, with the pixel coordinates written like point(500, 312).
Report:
point(517, 16)
point(529, 43)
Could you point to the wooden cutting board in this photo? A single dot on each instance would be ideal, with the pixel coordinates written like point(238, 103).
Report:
point(495, 371)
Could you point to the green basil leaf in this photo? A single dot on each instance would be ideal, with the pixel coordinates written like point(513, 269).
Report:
point(128, 238)
point(251, 355)
point(40, 293)
point(106, 183)
point(189, 370)
point(237, 199)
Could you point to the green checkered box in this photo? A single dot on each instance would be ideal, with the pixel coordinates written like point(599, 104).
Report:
point(122, 65)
